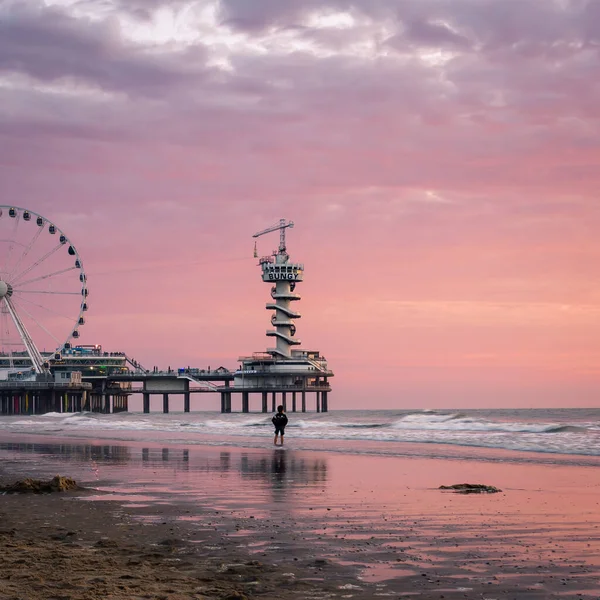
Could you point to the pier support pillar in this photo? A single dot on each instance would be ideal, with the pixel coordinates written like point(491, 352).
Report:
point(318, 394)
point(303, 400)
point(293, 401)
point(324, 407)
point(284, 400)
point(245, 402)
point(165, 403)
point(186, 396)
point(274, 402)
point(106, 409)
point(225, 402)
point(120, 403)
point(146, 403)
point(264, 402)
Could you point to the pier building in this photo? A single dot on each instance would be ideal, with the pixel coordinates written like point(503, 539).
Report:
point(77, 379)
point(98, 381)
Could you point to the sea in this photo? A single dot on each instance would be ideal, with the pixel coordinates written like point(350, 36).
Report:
point(535, 435)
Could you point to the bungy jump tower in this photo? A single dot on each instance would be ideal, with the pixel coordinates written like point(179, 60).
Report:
point(284, 372)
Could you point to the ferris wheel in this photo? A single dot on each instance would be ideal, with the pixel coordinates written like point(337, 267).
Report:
point(43, 291)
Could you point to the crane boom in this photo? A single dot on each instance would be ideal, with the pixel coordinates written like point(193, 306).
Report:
point(282, 225)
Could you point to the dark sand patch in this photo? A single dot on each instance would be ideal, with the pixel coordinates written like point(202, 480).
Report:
point(59, 547)
point(37, 486)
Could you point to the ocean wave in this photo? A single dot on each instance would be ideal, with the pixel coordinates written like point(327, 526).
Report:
point(565, 429)
point(429, 417)
point(57, 415)
point(458, 422)
point(364, 425)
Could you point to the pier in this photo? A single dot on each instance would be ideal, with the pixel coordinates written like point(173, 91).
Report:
point(110, 393)
point(75, 378)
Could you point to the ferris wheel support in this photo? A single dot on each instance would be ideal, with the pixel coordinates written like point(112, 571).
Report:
point(36, 358)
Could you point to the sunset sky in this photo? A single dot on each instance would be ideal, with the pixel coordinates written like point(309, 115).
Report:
point(440, 160)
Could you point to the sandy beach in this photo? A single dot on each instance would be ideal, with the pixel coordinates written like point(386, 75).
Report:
point(160, 521)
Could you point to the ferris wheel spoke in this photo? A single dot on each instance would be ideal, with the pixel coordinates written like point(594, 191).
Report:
point(37, 263)
point(3, 342)
point(41, 277)
point(37, 323)
point(12, 243)
point(49, 292)
point(27, 250)
point(53, 312)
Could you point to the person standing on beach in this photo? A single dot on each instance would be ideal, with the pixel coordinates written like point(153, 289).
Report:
point(280, 420)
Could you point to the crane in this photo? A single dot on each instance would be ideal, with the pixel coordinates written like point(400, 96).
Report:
point(282, 225)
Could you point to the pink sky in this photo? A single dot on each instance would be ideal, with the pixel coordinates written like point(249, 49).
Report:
point(440, 158)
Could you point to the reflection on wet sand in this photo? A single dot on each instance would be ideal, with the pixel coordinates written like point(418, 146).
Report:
point(180, 458)
point(81, 452)
point(283, 470)
point(275, 473)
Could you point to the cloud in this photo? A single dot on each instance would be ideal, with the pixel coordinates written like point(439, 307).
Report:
point(259, 15)
point(48, 44)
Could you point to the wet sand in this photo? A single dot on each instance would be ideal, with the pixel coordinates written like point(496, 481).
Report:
point(54, 548)
point(167, 522)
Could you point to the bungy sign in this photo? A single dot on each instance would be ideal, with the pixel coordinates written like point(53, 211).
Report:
point(284, 276)
point(289, 272)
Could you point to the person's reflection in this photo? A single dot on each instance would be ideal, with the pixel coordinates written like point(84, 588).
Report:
point(225, 461)
point(278, 476)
